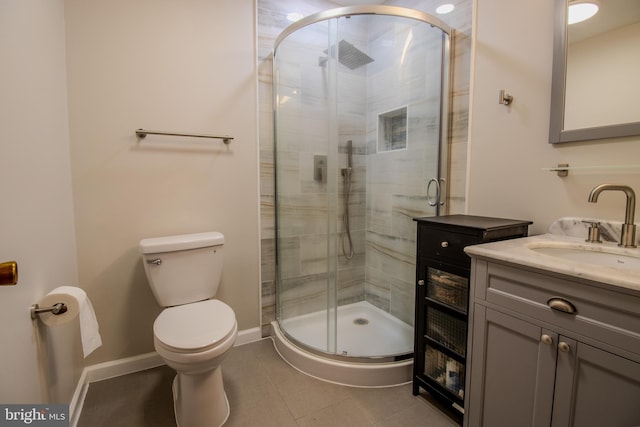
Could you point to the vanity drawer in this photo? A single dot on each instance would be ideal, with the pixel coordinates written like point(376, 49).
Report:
point(601, 313)
point(436, 243)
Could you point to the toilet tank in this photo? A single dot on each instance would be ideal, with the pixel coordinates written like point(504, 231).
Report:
point(184, 268)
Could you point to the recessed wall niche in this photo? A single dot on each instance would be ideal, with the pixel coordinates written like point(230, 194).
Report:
point(392, 130)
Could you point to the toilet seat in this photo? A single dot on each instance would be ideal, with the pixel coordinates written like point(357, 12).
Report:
point(194, 327)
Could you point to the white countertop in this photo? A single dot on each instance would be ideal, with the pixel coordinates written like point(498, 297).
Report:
point(519, 251)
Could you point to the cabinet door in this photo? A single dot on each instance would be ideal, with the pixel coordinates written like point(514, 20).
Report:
point(441, 329)
point(595, 388)
point(512, 371)
point(447, 284)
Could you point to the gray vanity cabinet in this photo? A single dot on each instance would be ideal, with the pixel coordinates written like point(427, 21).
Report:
point(533, 366)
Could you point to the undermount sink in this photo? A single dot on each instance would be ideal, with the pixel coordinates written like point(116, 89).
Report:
point(593, 254)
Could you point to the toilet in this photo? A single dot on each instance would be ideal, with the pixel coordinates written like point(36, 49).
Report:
point(194, 332)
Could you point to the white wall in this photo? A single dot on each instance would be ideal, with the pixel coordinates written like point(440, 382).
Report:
point(160, 64)
point(36, 214)
point(508, 145)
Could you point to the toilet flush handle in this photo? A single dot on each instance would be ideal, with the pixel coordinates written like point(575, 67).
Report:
point(156, 261)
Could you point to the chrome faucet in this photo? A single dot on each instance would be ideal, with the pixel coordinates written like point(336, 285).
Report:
point(628, 234)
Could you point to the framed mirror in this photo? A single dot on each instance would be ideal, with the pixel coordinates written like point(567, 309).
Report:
point(595, 91)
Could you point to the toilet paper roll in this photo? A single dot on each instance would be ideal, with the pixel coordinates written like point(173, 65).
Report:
point(78, 306)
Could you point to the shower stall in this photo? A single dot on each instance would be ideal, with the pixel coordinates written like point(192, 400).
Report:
point(361, 107)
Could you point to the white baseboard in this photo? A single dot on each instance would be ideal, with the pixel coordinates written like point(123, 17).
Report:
point(248, 336)
point(106, 370)
point(129, 365)
point(75, 407)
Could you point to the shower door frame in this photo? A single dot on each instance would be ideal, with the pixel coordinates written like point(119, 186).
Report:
point(445, 91)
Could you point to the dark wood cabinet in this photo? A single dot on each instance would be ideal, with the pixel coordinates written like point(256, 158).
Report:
point(442, 298)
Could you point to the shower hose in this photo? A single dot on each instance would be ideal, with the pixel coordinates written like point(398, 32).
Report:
point(345, 237)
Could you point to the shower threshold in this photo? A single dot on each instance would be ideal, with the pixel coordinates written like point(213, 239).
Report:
point(373, 347)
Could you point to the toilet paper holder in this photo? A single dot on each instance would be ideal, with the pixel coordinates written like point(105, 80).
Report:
point(56, 309)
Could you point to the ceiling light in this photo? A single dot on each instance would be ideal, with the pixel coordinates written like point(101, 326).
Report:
point(294, 16)
point(581, 11)
point(445, 8)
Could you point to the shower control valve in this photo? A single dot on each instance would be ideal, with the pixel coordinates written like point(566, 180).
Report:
point(320, 168)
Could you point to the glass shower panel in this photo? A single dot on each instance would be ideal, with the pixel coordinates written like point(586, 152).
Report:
point(304, 118)
point(389, 115)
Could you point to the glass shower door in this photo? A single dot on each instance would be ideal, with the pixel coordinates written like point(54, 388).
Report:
point(304, 159)
point(390, 87)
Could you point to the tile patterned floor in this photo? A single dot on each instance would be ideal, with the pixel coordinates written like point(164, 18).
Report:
point(263, 390)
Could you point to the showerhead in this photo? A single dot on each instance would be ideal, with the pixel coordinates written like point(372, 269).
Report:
point(352, 57)
point(348, 55)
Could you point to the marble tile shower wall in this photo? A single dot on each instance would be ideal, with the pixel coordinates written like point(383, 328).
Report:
point(376, 216)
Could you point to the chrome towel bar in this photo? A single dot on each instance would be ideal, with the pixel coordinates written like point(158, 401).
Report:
point(56, 309)
point(142, 133)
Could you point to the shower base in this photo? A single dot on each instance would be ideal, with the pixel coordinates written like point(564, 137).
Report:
point(368, 339)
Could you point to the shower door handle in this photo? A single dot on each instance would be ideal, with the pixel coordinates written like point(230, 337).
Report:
point(434, 201)
point(431, 201)
point(442, 183)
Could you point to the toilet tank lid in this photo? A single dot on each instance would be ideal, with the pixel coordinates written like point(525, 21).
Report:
point(181, 242)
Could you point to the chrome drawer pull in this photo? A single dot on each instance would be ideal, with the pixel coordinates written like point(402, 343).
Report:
point(561, 304)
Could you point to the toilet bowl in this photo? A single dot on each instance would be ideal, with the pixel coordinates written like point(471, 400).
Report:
point(193, 339)
point(192, 335)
